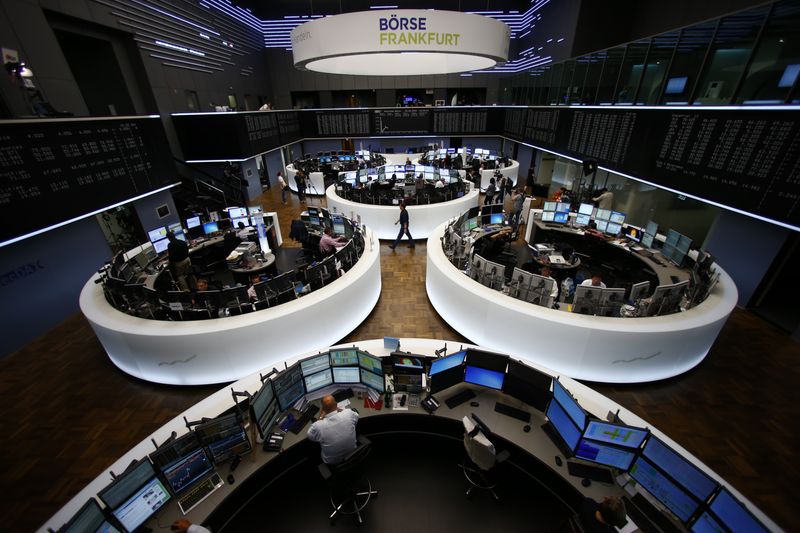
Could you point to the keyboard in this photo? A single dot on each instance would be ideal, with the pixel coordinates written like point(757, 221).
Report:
point(198, 493)
point(343, 394)
point(458, 399)
point(595, 473)
point(304, 418)
point(513, 412)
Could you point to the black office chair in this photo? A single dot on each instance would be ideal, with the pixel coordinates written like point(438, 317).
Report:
point(349, 487)
point(481, 460)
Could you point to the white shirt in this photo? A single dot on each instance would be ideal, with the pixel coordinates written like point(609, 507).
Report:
point(588, 283)
point(605, 200)
point(439, 184)
point(554, 292)
point(281, 182)
point(245, 232)
point(336, 434)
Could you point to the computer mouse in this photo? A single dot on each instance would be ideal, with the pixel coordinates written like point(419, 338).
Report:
point(231, 479)
point(586, 482)
point(526, 429)
point(559, 462)
point(474, 404)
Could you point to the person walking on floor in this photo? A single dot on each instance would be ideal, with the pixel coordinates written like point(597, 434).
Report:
point(403, 221)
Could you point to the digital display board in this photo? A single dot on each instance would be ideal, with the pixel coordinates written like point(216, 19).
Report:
point(61, 169)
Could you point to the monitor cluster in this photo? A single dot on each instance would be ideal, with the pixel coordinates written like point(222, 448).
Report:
point(692, 496)
point(133, 286)
point(606, 221)
point(458, 158)
point(342, 160)
point(391, 184)
point(175, 470)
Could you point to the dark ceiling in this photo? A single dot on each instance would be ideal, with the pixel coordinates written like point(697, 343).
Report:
point(276, 9)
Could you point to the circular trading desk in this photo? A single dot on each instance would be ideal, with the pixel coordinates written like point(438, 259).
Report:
point(604, 349)
point(225, 349)
point(532, 451)
point(315, 184)
point(423, 219)
point(511, 171)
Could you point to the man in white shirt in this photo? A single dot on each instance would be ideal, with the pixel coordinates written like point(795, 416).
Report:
point(439, 184)
point(335, 431)
point(244, 231)
point(595, 281)
point(545, 273)
point(283, 186)
point(605, 199)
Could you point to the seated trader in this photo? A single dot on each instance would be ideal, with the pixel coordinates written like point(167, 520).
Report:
point(595, 281)
point(603, 517)
point(545, 273)
point(251, 290)
point(335, 431)
point(244, 231)
point(179, 262)
point(327, 244)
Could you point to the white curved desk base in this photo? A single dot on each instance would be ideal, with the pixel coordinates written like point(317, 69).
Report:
point(608, 350)
point(225, 349)
point(423, 219)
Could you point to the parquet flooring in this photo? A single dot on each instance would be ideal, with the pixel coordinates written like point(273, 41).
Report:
point(68, 413)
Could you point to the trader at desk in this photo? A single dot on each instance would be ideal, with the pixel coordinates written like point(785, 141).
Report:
point(327, 243)
point(178, 252)
point(335, 431)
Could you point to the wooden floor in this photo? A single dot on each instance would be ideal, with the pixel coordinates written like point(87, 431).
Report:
point(68, 413)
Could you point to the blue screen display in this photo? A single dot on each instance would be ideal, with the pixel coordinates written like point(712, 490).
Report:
point(210, 227)
point(561, 217)
point(733, 514)
point(627, 437)
point(484, 378)
point(676, 85)
point(681, 470)
point(569, 404)
point(446, 363)
point(185, 471)
point(563, 425)
point(707, 524)
point(665, 491)
point(496, 218)
point(605, 455)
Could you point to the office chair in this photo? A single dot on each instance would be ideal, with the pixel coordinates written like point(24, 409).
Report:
point(480, 459)
point(350, 489)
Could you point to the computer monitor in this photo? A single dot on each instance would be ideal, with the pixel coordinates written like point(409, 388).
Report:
point(255, 210)
point(210, 227)
point(647, 240)
point(407, 364)
point(445, 363)
point(570, 405)
point(601, 225)
point(473, 212)
point(135, 495)
point(472, 223)
point(617, 434)
point(604, 454)
point(617, 217)
point(603, 214)
point(348, 357)
point(243, 220)
point(338, 225)
point(527, 384)
point(488, 360)
point(224, 437)
point(733, 514)
point(237, 212)
point(550, 206)
point(288, 386)
point(314, 364)
point(264, 409)
point(661, 488)
point(496, 218)
point(186, 471)
point(564, 426)
point(370, 362)
point(548, 216)
point(372, 380)
point(651, 229)
point(483, 377)
point(686, 474)
point(561, 217)
point(676, 85)
point(157, 234)
point(192, 222)
point(346, 374)
point(582, 220)
point(89, 518)
point(563, 207)
point(318, 380)
point(161, 246)
point(632, 233)
point(613, 228)
point(586, 209)
point(707, 523)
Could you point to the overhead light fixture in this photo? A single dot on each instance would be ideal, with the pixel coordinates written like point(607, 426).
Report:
point(400, 42)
